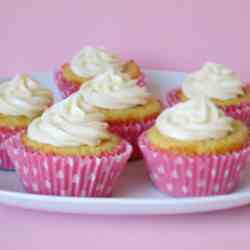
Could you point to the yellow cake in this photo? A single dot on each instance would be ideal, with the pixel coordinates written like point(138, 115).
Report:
point(233, 141)
point(245, 97)
point(14, 121)
point(105, 146)
point(130, 68)
point(138, 113)
point(197, 127)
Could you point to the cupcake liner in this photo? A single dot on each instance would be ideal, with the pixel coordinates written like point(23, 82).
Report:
point(130, 132)
point(86, 176)
point(5, 161)
point(187, 176)
point(66, 88)
point(142, 82)
point(239, 112)
point(171, 98)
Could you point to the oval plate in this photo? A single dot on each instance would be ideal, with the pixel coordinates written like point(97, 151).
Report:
point(134, 194)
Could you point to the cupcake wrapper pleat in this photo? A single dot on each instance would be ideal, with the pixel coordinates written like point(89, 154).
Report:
point(5, 161)
point(66, 88)
point(171, 98)
point(87, 176)
point(241, 113)
point(187, 176)
point(130, 132)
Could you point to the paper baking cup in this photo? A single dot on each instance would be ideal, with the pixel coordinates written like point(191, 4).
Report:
point(187, 176)
point(87, 176)
point(5, 162)
point(239, 112)
point(172, 98)
point(67, 88)
point(142, 81)
point(130, 132)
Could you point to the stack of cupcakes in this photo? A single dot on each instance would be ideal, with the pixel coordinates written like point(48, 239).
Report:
point(89, 63)
point(78, 147)
point(113, 86)
point(81, 145)
point(199, 145)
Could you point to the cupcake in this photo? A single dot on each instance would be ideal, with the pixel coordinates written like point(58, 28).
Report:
point(68, 151)
point(128, 108)
point(194, 149)
point(21, 100)
point(91, 62)
point(219, 84)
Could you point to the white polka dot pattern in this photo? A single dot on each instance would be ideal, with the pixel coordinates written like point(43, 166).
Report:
point(184, 176)
point(69, 176)
point(5, 161)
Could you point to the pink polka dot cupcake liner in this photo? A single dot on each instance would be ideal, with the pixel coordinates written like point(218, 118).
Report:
point(5, 161)
point(172, 98)
point(130, 132)
point(239, 112)
point(81, 176)
point(67, 88)
point(187, 176)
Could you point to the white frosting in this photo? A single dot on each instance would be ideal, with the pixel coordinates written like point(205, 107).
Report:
point(90, 62)
point(113, 90)
point(196, 119)
point(23, 96)
point(213, 81)
point(71, 122)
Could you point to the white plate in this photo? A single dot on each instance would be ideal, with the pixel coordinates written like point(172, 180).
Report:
point(134, 193)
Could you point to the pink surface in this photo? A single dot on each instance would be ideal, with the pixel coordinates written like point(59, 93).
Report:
point(179, 35)
point(5, 161)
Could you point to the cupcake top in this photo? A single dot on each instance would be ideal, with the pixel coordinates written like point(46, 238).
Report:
point(196, 119)
point(23, 96)
point(71, 122)
point(114, 90)
point(91, 61)
point(213, 81)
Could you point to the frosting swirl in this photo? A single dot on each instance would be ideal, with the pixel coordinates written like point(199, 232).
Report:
point(71, 122)
point(113, 90)
point(23, 96)
point(213, 81)
point(90, 62)
point(196, 119)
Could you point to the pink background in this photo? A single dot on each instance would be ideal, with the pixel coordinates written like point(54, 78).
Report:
point(173, 34)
